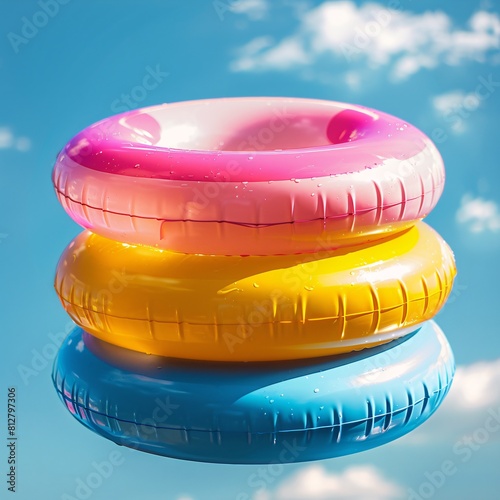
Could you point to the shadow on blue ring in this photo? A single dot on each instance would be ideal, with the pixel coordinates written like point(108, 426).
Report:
point(254, 413)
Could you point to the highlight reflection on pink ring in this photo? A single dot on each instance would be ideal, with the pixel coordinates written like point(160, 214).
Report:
point(249, 176)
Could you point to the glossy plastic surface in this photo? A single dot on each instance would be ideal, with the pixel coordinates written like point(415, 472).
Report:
point(254, 308)
point(256, 412)
point(249, 176)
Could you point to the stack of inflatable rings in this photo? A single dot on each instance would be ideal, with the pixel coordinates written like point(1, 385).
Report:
point(254, 283)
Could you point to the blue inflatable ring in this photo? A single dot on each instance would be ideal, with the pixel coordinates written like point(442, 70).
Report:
point(255, 412)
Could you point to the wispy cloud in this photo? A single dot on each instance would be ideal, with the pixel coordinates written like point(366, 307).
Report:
point(253, 9)
point(314, 482)
point(375, 36)
point(478, 215)
point(455, 106)
point(9, 141)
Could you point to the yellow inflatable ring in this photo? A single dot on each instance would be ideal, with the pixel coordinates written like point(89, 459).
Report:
point(231, 308)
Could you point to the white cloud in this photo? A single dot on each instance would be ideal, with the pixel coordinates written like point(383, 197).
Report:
point(22, 144)
point(253, 9)
point(410, 64)
point(353, 79)
point(314, 482)
point(6, 138)
point(478, 215)
point(281, 56)
point(184, 497)
point(451, 100)
point(476, 386)
point(455, 106)
point(249, 52)
point(9, 141)
point(377, 36)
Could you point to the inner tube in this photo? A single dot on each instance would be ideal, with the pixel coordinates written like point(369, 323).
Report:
point(251, 413)
point(222, 308)
point(249, 176)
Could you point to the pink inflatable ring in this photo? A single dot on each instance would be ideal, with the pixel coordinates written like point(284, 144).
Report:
point(249, 176)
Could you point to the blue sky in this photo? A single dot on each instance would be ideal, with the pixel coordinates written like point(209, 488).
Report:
point(436, 65)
